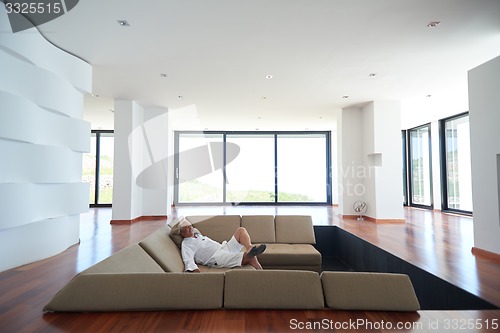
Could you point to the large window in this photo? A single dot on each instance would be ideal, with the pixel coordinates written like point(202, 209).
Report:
point(250, 177)
point(252, 167)
point(420, 166)
point(456, 164)
point(199, 168)
point(301, 166)
point(97, 169)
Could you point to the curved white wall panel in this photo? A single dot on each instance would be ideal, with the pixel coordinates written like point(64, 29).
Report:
point(38, 240)
point(42, 138)
point(24, 80)
point(23, 120)
point(26, 203)
point(32, 46)
point(53, 165)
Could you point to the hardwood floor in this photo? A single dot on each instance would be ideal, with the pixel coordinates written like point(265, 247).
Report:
point(436, 242)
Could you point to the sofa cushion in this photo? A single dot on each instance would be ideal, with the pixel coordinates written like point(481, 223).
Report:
point(294, 229)
point(175, 230)
point(369, 291)
point(132, 259)
point(290, 255)
point(272, 289)
point(260, 228)
point(139, 291)
point(163, 250)
point(219, 227)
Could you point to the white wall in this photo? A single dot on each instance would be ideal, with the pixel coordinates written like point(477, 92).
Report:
point(369, 159)
point(140, 161)
point(350, 159)
point(384, 160)
point(484, 117)
point(42, 138)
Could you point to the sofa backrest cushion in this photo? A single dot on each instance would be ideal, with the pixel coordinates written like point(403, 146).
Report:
point(294, 229)
point(272, 289)
point(132, 259)
point(260, 228)
point(218, 227)
point(163, 250)
point(369, 291)
point(140, 291)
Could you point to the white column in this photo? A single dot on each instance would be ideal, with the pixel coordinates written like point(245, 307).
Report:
point(484, 120)
point(383, 160)
point(370, 160)
point(140, 162)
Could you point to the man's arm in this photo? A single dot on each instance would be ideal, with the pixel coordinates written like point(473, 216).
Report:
point(188, 258)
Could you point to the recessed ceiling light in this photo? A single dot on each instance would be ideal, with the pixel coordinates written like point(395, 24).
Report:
point(264, 97)
point(372, 74)
point(345, 97)
point(124, 23)
point(433, 24)
point(163, 75)
point(269, 76)
point(428, 96)
point(95, 95)
point(180, 96)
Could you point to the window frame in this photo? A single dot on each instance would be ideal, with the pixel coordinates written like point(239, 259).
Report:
point(410, 169)
point(443, 165)
point(404, 145)
point(328, 168)
point(98, 167)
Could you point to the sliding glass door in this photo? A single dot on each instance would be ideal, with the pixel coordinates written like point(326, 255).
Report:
point(420, 166)
point(301, 167)
point(456, 164)
point(250, 177)
point(97, 168)
point(252, 167)
point(199, 174)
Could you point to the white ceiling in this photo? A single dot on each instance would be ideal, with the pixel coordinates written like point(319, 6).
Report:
point(217, 54)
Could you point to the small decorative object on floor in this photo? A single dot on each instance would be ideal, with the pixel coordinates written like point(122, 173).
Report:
point(360, 207)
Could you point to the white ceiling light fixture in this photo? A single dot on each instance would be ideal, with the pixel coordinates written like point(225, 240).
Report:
point(345, 97)
point(163, 75)
point(123, 23)
point(269, 76)
point(372, 74)
point(433, 24)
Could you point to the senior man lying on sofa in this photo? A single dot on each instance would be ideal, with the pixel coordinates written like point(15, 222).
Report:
point(199, 249)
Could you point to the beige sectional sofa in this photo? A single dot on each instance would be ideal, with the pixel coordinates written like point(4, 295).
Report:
point(149, 275)
point(289, 238)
